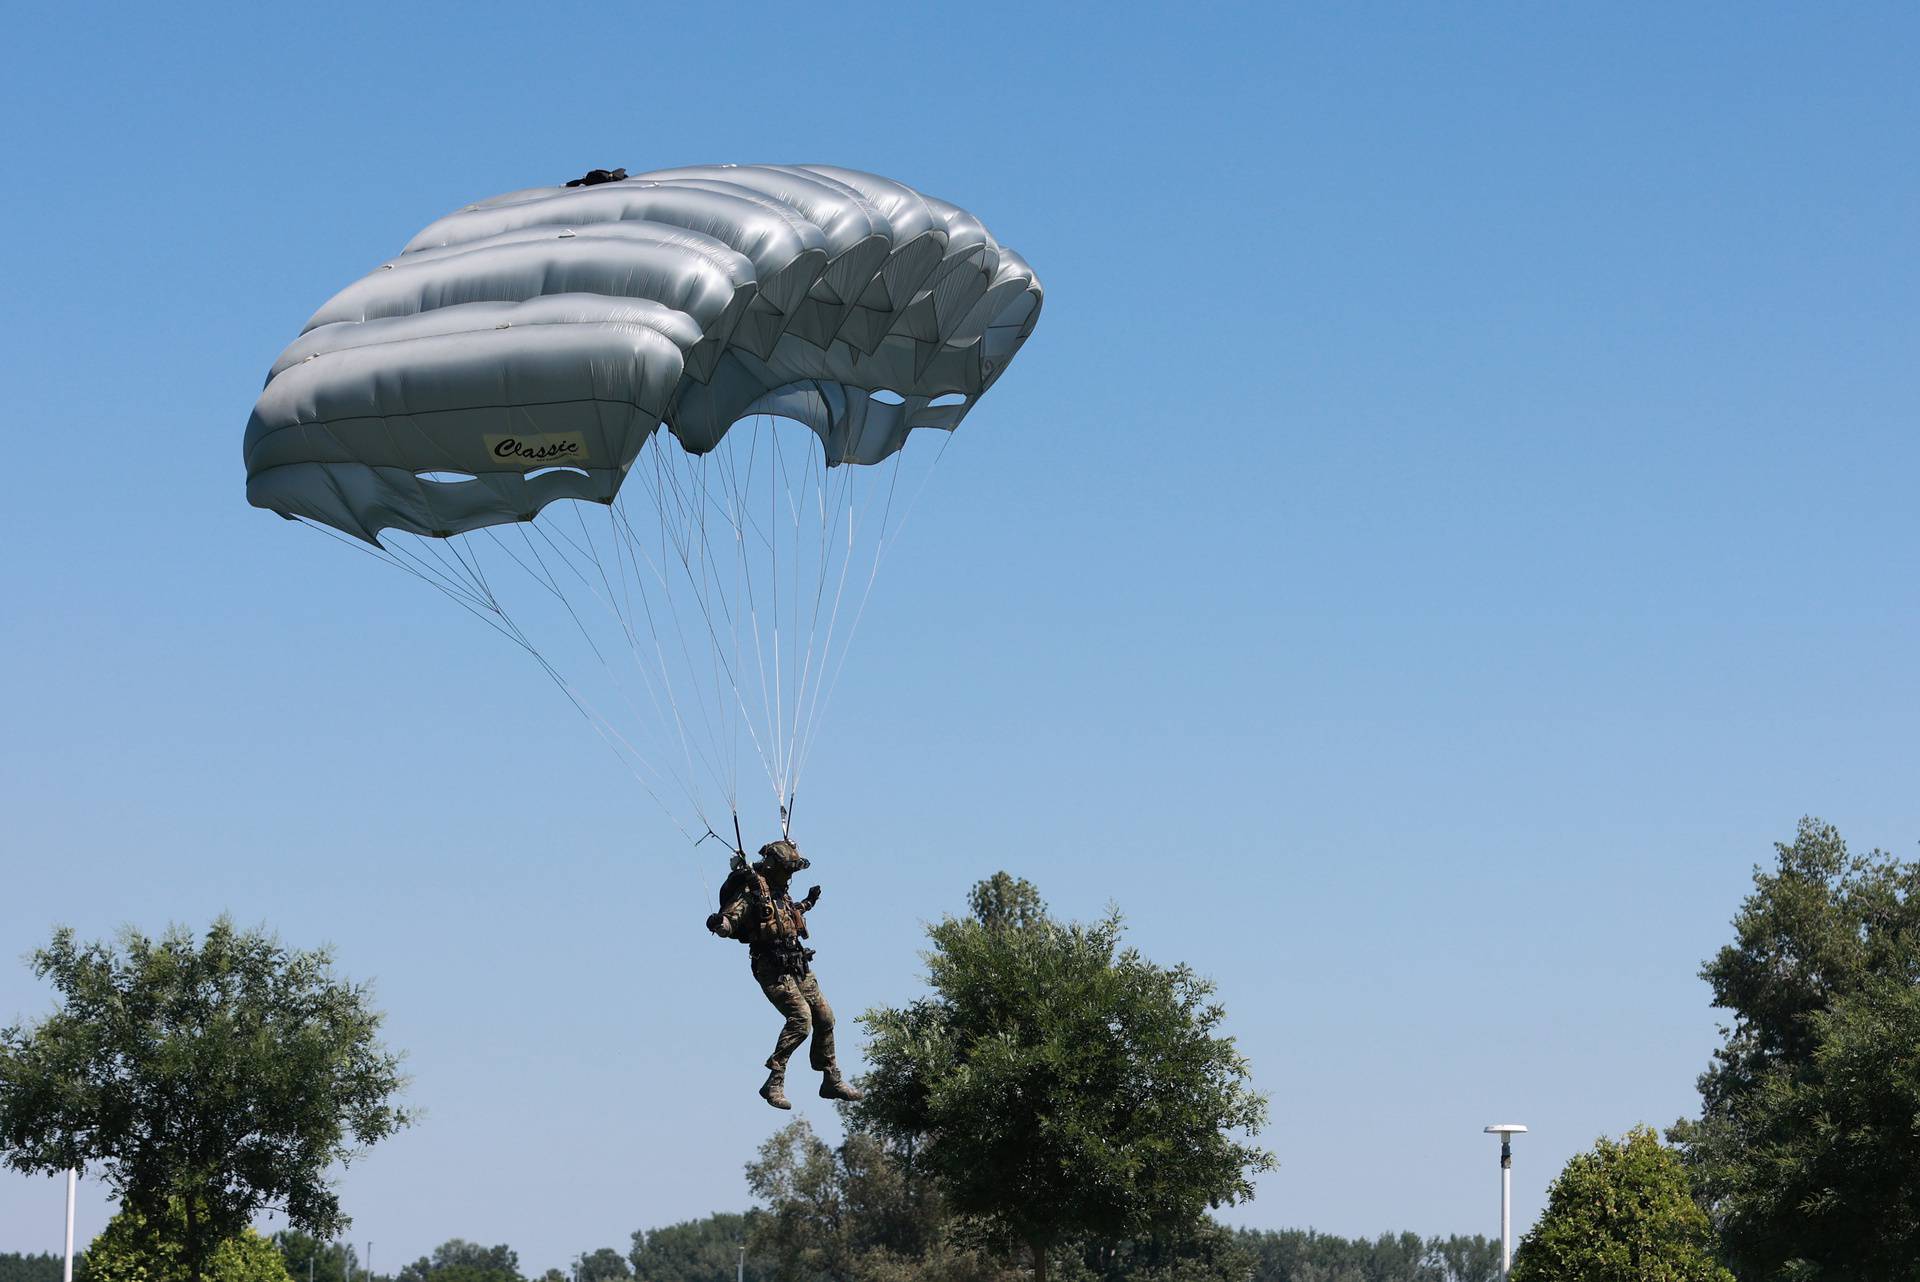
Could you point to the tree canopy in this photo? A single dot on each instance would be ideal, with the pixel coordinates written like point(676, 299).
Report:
point(307, 1256)
point(1057, 1086)
point(1806, 1154)
point(140, 1248)
point(221, 1077)
point(1621, 1212)
point(695, 1250)
point(458, 1260)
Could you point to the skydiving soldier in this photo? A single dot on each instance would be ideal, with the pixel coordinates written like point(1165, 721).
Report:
point(756, 908)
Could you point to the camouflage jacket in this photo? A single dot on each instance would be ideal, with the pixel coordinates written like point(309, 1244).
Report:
point(770, 922)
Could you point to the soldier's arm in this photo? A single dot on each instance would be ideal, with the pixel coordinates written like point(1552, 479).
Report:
point(728, 922)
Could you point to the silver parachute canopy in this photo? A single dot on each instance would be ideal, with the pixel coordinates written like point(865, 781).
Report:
point(485, 413)
point(525, 348)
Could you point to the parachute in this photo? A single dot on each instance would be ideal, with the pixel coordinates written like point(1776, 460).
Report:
point(485, 412)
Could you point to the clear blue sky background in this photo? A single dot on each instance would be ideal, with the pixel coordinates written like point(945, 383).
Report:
point(1457, 510)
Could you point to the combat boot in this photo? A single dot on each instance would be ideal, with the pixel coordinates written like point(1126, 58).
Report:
point(834, 1086)
point(775, 1090)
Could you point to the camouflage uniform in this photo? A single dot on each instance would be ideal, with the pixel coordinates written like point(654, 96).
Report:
point(755, 907)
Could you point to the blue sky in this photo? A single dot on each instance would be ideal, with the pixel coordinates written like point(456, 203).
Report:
point(1456, 511)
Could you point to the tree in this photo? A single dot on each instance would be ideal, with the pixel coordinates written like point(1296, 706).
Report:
point(139, 1248)
point(458, 1260)
point(856, 1213)
point(1006, 902)
point(1621, 1213)
point(1304, 1255)
point(15, 1267)
point(1806, 1154)
point(1060, 1087)
point(306, 1255)
point(223, 1078)
point(695, 1251)
point(604, 1265)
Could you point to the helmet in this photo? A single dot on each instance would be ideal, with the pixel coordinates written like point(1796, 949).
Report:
point(784, 856)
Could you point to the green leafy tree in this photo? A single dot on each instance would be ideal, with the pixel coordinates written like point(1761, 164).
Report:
point(604, 1265)
point(1305, 1255)
point(458, 1260)
point(797, 1175)
point(223, 1077)
point(306, 1254)
point(15, 1267)
point(1806, 1154)
point(138, 1248)
point(1006, 902)
point(1622, 1212)
point(856, 1213)
point(705, 1250)
point(1059, 1087)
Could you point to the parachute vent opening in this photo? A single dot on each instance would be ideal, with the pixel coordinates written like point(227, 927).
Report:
point(951, 398)
point(887, 396)
point(447, 478)
point(549, 471)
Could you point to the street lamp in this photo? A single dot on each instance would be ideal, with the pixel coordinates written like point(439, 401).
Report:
point(1506, 1131)
point(73, 1183)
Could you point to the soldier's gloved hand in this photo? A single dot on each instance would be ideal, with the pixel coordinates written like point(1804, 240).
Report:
point(719, 925)
point(813, 896)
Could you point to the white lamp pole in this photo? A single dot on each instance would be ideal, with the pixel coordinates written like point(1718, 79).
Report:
point(73, 1183)
point(1506, 1131)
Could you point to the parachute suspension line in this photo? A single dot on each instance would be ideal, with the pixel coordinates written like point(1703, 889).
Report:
point(848, 491)
point(635, 552)
point(694, 519)
point(623, 748)
point(737, 508)
point(630, 552)
point(495, 617)
point(709, 578)
point(804, 738)
point(740, 505)
point(545, 577)
point(674, 537)
point(776, 470)
point(883, 543)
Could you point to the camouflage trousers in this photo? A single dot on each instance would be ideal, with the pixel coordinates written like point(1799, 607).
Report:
point(798, 998)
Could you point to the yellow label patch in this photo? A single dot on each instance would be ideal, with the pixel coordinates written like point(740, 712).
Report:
point(537, 449)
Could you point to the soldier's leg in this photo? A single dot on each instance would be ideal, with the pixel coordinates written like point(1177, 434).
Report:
point(786, 997)
point(820, 1050)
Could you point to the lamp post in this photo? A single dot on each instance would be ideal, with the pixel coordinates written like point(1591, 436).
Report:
point(1506, 1131)
point(73, 1182)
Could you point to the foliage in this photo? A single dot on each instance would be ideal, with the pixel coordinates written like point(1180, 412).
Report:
point(696, 1251)
point(604, 1265)
point(458, 1260)
point(1297, 1255)
point(225, 1078)
point(1006, 902)
point(15, 1267)
point(1622, 1212)
point(138, 1248)
point(857, 1213)
point(1807, 1155)
point(1059, 1087)
point(330, 1261)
